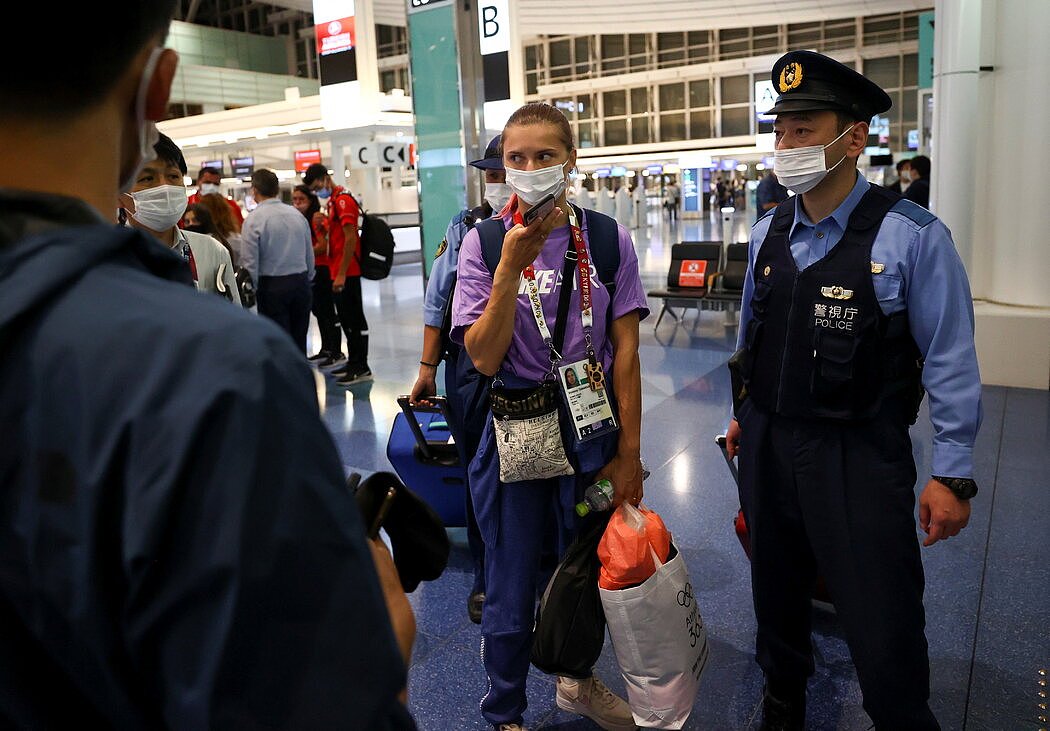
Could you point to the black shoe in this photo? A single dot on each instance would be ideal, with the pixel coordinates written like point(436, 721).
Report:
point(332, 360)
point(341, 370)
point(355, 377)
point(319, 355)
point(474, 604)
point(783, 715)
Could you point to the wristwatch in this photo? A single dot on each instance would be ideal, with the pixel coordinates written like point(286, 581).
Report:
point(962, 487)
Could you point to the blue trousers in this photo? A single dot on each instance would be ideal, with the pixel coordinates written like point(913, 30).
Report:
point(515, 520)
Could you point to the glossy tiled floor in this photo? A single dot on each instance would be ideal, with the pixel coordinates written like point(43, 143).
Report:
point(988, 590)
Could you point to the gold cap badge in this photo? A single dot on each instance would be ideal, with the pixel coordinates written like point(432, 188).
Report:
point(877, 268)
point(790, 77)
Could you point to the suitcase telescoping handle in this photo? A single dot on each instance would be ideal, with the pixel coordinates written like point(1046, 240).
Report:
point(720, 440)
point(434, 405)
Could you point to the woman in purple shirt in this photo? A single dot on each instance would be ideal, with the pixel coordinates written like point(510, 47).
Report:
point(496, 316)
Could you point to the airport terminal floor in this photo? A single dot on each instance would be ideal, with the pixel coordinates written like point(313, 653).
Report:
point(986, 596)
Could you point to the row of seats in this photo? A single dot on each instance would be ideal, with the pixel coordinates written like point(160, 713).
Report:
point(706, 275)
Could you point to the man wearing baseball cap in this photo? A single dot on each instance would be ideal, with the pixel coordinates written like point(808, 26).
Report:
point(463, 384)
point(855, 304)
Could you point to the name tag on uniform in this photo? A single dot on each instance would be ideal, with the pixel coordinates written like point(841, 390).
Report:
point(589, 409)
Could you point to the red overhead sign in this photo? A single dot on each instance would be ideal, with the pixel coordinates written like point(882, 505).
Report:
point(335, 36)
point(306, 158)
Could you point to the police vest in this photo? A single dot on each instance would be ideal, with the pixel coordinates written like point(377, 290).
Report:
point(818, 344)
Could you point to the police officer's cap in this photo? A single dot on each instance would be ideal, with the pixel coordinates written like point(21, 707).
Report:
point(809, 82)
point(493, 160)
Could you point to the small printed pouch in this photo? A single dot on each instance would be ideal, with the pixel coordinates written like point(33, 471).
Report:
point(528, 433)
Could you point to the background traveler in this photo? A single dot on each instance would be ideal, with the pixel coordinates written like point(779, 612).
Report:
point(277, 250)
point(227, 225)
point(156, 204)
point(323, 304)
point(209, 180)
point(180, 550)
point(344, 256)
point(769, 194)
point(918, 190)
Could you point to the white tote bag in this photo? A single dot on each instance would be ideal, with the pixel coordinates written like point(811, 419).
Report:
point(660, 643)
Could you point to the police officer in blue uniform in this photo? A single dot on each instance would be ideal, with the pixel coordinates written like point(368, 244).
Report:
point(464, 396)
point(855, 304)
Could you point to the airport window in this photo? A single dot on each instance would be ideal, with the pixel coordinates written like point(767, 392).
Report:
point(586, 134)
point(736, 90)
point(910, 67)
point(892, 28)
point(804, 35)
point(640, 132)
point(736, 121)
point(699, 42)
point(699, 93)
point(884, 71)
point(839, 34)
point(670, 49)
point(613, 53)
point(672, 127)
point(391, 40)
point(585, 106)
point(616, 132)
point(765, 39)
point(532, 65)
point(559, 54)
point(614, 103)
point(700, 124)
point(638, 47)
point(583, 57)
point(672, 96)
point(734, 43)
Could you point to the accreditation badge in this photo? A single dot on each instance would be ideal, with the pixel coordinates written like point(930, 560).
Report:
point(590, 410)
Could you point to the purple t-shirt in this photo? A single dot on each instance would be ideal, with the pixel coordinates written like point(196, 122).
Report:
point(527, 356)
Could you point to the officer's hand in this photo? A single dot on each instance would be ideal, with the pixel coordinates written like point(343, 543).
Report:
point(733, 438)
point(402, 618)
point(941, 514)
point(625, 474)
point(522, 244)
point(426, 385)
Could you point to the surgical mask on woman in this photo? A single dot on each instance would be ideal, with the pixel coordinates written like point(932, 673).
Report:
point(532, 185)
point(497, 195)
point(207, 188)
point(324, 194)
point(159, 208)
point(801, 169)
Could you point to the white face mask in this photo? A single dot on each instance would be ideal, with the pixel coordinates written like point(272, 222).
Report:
point(207, 188)
point(800, 170)
point(147, 129)
point(497, 195)
point(159, 208)
point(533, 185)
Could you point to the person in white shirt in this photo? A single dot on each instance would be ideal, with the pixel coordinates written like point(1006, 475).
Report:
point(155, 204)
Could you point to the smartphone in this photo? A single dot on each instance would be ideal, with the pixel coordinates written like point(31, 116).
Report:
point(384, 508)
point(543, 206)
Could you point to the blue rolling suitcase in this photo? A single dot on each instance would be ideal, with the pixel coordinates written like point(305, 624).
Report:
point(423, 455)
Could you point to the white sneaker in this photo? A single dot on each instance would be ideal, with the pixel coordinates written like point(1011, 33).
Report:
point(592, 699)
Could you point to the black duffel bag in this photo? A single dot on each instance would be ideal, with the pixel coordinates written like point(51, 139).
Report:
point(570, 621)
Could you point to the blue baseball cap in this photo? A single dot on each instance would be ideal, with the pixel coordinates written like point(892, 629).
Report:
point(493, 160)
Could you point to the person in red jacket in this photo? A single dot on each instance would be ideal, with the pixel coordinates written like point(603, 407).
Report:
point(344, 252)
point(208, 180)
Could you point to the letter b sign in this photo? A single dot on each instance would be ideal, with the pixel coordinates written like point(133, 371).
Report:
point(494, 26)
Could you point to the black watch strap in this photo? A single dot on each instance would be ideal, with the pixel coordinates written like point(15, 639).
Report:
point(962, 487)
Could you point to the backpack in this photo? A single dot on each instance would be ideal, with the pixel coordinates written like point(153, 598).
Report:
point(377, 246)
point(604, 242)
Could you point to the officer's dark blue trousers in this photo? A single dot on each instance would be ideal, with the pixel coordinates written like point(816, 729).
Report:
point(467, 394)
point(838, 499)
point(515, 520)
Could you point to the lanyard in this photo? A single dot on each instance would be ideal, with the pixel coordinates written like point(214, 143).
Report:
point(578, 252)
point(187, 254)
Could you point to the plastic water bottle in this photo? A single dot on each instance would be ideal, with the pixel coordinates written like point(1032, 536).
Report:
point(597, 497)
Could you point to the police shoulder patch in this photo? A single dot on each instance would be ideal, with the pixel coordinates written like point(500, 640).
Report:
point(914, 212)
point(442, 247)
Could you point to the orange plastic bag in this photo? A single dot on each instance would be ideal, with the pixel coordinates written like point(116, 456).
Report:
point(626, 550)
